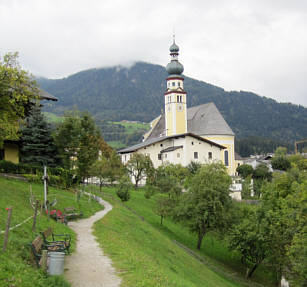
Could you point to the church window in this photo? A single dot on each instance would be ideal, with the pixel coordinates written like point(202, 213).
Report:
point(178, 155)
point(180, 99)
point(226, 157)
point(161, 145)
point(209, 155)
point(177, 99)
point(125, 157)
point(173, 84)
point(159, 156)
point(178, 84)
point(165, 155)
point(192, 143)
point(196, 155)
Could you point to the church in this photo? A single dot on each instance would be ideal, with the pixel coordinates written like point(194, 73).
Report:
point(181, 135)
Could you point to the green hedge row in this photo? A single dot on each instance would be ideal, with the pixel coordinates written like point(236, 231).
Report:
point(57, 176)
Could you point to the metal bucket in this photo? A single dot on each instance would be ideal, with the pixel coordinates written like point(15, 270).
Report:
point(56, 263)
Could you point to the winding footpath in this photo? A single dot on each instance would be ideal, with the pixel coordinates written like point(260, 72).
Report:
point(88, 267)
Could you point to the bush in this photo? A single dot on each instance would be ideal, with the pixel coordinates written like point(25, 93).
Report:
point(123, 188)
point(57, 176)
point(281, 163)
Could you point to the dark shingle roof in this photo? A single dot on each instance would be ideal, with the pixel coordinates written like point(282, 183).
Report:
point(202, 120)
point(46, 96)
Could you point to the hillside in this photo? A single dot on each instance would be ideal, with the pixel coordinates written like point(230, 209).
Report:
point(15, 266)
point(136, 93)
point(151, 254)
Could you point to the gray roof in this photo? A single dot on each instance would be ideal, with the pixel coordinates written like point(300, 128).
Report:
point(159, 139)
point(46, 96)
point(202, 120)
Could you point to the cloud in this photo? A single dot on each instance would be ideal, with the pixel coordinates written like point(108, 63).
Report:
point(250, 45)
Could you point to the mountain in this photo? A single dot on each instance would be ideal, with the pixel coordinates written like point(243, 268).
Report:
point(136, 94)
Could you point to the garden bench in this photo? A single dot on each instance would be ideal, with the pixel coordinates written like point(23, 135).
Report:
point(72, 213)
point(38, 245)
point(61, 242)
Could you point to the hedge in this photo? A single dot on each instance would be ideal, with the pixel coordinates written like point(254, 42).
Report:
point(57, 176)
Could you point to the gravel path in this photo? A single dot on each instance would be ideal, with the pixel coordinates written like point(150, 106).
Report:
point(88, 267)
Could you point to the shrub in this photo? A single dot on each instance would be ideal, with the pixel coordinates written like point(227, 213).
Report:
point(281, 163)
point(123, 188)
point(57, 176)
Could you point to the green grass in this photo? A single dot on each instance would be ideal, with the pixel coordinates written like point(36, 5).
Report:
point(131, 127)
point(53, 118)
point(214, 250)
point(116, 144)
point(15, 266)
point(146, 257)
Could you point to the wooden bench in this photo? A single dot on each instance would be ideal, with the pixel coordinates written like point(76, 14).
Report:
point(61, 241)
point(71, 213)
point(38, 245)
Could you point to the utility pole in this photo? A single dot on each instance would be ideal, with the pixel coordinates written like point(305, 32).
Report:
point(45, 187)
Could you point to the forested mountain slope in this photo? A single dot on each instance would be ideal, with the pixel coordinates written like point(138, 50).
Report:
point(136, 93)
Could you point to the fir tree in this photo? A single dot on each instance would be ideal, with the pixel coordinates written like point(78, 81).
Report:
point(37, 142)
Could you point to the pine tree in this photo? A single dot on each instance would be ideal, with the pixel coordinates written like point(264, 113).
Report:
point(37, 142)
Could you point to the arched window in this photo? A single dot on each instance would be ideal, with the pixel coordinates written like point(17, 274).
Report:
point(226, 157)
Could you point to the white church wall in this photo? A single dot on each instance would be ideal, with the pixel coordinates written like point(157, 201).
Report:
point(193, 145)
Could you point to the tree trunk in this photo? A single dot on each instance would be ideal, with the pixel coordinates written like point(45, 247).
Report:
point(201, 235)
point(252, 271)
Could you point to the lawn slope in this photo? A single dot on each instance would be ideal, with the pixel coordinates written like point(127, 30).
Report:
point(146, 257)
point(15, 266)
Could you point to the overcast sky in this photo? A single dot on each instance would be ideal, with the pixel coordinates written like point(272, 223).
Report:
point(252, 45)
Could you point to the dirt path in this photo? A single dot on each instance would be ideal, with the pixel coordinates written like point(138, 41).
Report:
point(88, 267)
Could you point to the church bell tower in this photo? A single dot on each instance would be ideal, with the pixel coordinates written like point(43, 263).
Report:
point(175, 96)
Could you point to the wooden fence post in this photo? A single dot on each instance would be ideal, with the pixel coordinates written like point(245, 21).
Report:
point(34, 216)
point(7, 228)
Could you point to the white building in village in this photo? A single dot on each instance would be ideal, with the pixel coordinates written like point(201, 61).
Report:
point(181, 135)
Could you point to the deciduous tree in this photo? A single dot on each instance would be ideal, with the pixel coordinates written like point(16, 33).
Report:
point(204, 206)
point(139, 167)
point(18, 90)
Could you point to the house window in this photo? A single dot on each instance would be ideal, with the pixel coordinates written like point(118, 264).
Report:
point(196, 155)
point(159, 156)
point(226, 157)
point(173, 84)
point(178, 155)
point(125, 157)
point(209, 155)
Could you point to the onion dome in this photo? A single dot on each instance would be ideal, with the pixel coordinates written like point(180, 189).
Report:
point(174, 67)
point(174, 47)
